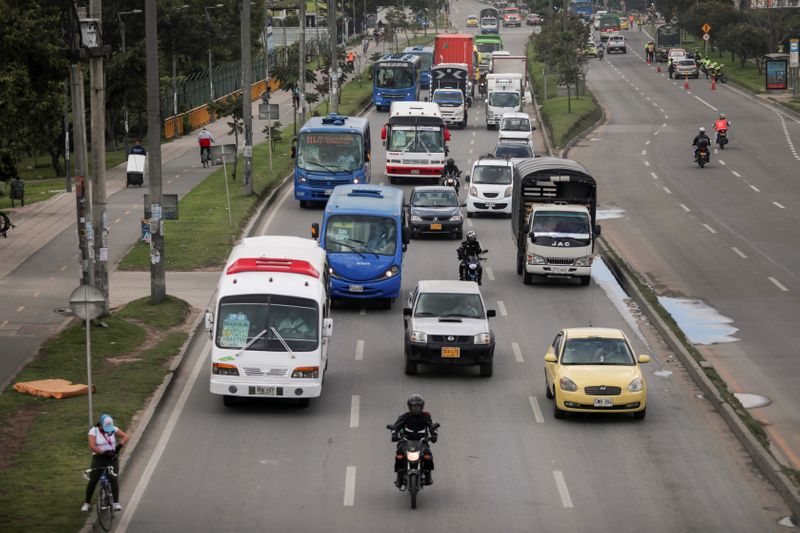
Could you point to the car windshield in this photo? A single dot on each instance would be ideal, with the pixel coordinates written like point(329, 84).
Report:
point(244, 318)
point(516, 124)
point(434, 199)
point(513, 150)
point(597, 351)
point(449, 97)
point(337, 152)
point(493, 175)
point(561, 223)
point(393, 77)
point(361, 234)
point(424, 139)
point(503, 99)
point(449, 305)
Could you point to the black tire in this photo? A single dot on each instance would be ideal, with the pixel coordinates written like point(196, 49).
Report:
point(229, 401)
point(411, 367)
point(547, 392)
point(701, 161)
point(486, 369)
point(585, 280)
point(520, 265)
point(5, 223)
point(639, 415)
point(413, 488)
point(557, 413)
point(527, 277)
point(470, 214)
point(105, 508)
point(386, 303)
point(303, 403)
point(303, 204)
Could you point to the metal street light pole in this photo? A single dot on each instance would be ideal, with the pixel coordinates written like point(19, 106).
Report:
point(334, 68)
point(301, 80)
point(121, 20)
point(247, 106)
point(210, 64)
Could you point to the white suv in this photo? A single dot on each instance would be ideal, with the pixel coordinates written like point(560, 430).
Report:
point(490, 186)
point(516, 127)
point(616, 43)
point(447, 323)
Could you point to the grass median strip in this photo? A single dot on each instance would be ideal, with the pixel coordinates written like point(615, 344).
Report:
point(43, 445)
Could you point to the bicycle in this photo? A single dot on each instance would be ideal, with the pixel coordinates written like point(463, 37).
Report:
point(105, 497)
point(5, 224)
point(204, 155)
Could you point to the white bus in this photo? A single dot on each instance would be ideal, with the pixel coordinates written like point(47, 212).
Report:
point(271, 324)
point(415, 138)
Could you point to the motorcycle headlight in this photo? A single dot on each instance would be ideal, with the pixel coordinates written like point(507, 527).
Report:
point(455, 218)
point(473, 266)
point(568, 385)
point(534, 259)
point(482, 338)
point(418, 336)
point(637, 385)
point(413, 456)
point(415, 218)
point(391, 272)
point(585, 261)
point(473, 191)
point(507, 192)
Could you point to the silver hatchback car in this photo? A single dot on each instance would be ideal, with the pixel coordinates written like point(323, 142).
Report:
point(685, 68)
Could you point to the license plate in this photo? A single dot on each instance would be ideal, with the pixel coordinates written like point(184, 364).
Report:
point(436, 226)
point(356, 288)
point(603, 402)
point(265, 391)
point(415, 171)
point(560, 270)
point(328, 192)
point(452, 352)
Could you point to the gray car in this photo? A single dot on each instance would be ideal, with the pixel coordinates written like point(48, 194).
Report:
point(685, 68)
point(435, 210)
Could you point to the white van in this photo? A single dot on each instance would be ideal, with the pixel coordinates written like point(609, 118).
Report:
point(516, 127)
point(271, 324)
point(490, 186)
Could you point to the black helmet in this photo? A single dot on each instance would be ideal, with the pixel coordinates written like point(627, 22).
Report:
point(451, 162)
point(415, 404)
point(472, 236)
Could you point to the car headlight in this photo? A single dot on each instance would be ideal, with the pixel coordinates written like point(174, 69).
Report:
point(418, 336)
point(455, 218)
point(507, 192)
point(392, 271)
point(534, 259)
point(585, 261)
point(637, 385)
point(473, 191)
point(357, 180)
point(568, 385)
point(310, 372)
point(482, 338)
point(415, 218)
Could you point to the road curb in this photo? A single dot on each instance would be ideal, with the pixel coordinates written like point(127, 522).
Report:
point(581, 135)
point(760, 456)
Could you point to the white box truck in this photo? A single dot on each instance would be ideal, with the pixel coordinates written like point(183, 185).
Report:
point(505, 93)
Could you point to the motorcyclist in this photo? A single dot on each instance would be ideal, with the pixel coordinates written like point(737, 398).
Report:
point(414, 424)
point(722, 123)
point(698, 141)
point(205, 140)
point(451, 168)
point(469, 246)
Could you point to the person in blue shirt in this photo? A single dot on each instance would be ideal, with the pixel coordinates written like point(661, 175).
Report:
point(138, 149)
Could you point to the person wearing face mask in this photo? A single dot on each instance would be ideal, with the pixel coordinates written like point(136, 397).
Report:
point(105, 442)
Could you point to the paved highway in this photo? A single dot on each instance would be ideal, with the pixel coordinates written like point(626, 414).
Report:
point(503, 463)
point(724, 234)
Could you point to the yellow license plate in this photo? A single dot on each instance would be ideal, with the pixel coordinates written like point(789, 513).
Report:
point(452, 352)
point(436, 226)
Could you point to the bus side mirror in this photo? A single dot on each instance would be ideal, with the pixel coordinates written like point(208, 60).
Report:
point(597, 229)
point(294, 148)
point(327, 328)
point(209, 322)
point(315, 231)
point(383, 133)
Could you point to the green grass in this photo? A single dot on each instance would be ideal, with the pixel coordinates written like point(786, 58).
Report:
point(51, 434)
point(355, 95)
point(168, 314)
point(35, 191)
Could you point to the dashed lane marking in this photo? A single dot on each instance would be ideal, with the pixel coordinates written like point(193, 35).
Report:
point(502, 308)
point(517, 352)
point(647, 163)
point(723, 163)
point(355, 408)
point(359, 350)
point(537, 412)
point(778, 284)
point(709, 228)
point(20, 309)
point(738, 252)
point(666, 190)
point(778, 205)
point(706, 103)
point(350, 487)
point(566, 501)
point(685, 208)
point(755, 188)
point(36, 294)
point(490, 273)
point(653, 174)
point(647, 142)
point(736, 174)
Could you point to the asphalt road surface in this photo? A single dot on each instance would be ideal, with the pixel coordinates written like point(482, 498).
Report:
point(503, 463)
point(724, 234)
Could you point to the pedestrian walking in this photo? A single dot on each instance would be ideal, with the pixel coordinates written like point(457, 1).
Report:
point(365, 44)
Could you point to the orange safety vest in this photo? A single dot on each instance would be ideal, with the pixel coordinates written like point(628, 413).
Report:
point(721, 124)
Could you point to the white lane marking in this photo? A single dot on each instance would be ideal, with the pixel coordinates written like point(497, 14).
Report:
point(276, 209)
point(736, 174)
point(350, 486)
point(517, 352)
point(472, 141)
point(648, 98)
point(667, 190)
point(471, 151)
point(177, 176)
point(36, 294)
point(647, 163)
point(755, 188)
point(664, 125)
point(128, 212)
point(779, 205)
point(469, 222)
point(20, 309)
point(683, 206)
point(644, 152)
point(359, 350)
point(666, 117)
point(709, 228)
point(706, 103)
point(721, 162)
point(63, 268)
point(4, 324)
point(355, 408)
point(166, 435)
point(655, 132)
point(654, 175)
point(473, 133)
point(778, 284)
point(647, 142)
point(490, 273)
point(562, 489)
point(363, 311)
point(169, 182)
point(537, 412)
point(661, 109)
point(502, 307)
point(738, 252)
point(788, 138)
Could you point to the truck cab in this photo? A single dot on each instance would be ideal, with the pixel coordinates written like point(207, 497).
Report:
point(452, 106)
point(504, 94)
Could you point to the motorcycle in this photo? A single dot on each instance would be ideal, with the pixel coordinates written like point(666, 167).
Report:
point(472, 268)
point(722, 138)
point(702, 156)
point(413, 458)
point(718, 73)
point(451, 179)
point(600, 54)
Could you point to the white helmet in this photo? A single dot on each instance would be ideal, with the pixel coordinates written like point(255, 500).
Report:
point(702, 129)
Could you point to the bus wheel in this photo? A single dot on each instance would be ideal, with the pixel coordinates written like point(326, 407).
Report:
point(303, 402)
point(303, 204)
point(386, 303)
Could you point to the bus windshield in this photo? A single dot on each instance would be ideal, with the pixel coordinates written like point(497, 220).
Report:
point(361, 234)
point(245, 318)
point(499, 99)
point(424, 139)
point(394, 77)
point(330, 151)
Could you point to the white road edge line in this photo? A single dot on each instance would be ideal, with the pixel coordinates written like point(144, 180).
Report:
point(709, 228)
point(562, 489)
point(517, 352)
point(778, 284)
point(359, 350)
point(350, 487)
point(502, 308)
point(738, 252)
point(537, 413)
point(355, 408)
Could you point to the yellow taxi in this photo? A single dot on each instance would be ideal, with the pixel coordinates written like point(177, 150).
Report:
point(594, 370)
point(623, 23)
point(472, 21)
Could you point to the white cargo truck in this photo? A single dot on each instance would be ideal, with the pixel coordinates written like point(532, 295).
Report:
point(504, 94)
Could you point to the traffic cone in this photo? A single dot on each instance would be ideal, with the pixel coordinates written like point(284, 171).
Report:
point(658, 68)
point(713, 83)
point(686, 82)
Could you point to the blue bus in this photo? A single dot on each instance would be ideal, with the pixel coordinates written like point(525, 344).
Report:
point(365, 233)
point(330, 151)
point(582, 8)
point(425, 54)
point(395, 78)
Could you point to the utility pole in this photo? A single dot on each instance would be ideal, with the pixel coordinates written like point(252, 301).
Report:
point(247, 104)
point(334, 70)
point(158, 285)
point(68, 184)
point(301, 80)
point(97, 101)
point(82, 183)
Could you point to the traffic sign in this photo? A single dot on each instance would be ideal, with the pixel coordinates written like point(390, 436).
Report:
point(794, 53)
point(706, 37)
point(706, 28)
point(674, 20)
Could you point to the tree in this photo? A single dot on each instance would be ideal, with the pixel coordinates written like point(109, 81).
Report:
point(560, 46)
point(747, 42)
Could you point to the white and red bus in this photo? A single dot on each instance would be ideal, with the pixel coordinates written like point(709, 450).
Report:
point(416, 141)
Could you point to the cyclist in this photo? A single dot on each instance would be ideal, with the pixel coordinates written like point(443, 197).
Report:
point(205, 140)
point(105, 442)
